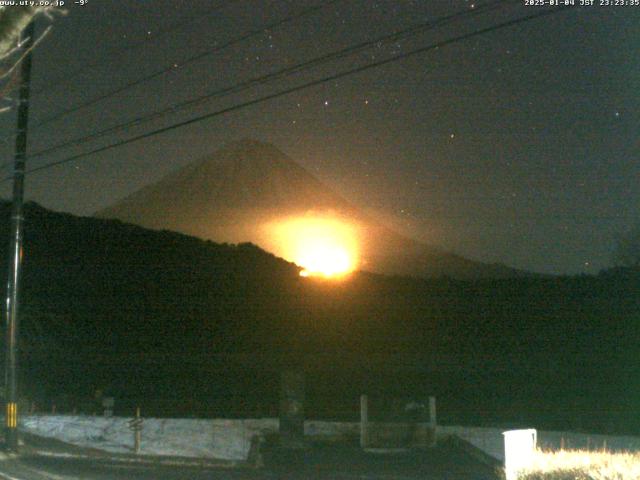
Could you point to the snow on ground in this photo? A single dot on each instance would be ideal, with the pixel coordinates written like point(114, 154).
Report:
point(219, 439)
point(489, 440)
point(216, 439)
point(231, 439)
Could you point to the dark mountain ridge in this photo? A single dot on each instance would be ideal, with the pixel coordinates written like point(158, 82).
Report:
point(183, 326)
point(231, 194)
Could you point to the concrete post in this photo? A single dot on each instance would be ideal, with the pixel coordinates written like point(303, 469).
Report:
point(292, 408)
point(137, 437)
point(364, 421)
point(432, 412)
point(433, 422)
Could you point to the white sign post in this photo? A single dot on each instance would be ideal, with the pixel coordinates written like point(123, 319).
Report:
point(519, 450)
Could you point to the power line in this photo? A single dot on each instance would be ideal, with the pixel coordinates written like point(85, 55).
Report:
point(65, 78)
point(283, 73)
point(299, 87)
point(194, 58)
point(164, 70)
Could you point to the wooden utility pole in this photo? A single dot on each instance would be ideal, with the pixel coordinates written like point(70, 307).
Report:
point(15, 247)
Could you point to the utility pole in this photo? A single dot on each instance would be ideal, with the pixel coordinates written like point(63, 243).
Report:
point(15, 247)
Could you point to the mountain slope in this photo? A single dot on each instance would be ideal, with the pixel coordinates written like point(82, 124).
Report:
point(231, 195)
point(182, 326)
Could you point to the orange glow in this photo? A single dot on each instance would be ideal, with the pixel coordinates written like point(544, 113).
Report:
point(322, 245)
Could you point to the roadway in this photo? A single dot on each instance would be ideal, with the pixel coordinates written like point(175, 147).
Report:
point(318, 463)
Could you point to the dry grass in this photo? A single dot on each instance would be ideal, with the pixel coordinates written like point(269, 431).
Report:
point(583, 465)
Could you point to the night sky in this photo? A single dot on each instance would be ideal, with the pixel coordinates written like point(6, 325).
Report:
point(518, 146)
